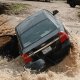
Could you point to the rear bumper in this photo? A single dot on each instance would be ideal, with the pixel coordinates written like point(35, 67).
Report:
point(50, 59)
point(36, 65)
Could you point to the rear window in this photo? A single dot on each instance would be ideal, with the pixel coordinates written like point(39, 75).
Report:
point(37, 32)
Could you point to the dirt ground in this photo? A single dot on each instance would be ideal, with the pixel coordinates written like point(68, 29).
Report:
point(68, 69)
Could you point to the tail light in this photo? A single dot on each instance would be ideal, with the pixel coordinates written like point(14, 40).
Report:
point(63, 36)
point(26, 58)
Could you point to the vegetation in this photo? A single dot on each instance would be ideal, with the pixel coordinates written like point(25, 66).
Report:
point(13, 8)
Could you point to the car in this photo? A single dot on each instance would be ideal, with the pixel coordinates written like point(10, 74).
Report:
point(42, 39)
point(73, 3)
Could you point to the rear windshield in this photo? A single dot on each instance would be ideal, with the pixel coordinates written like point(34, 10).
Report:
point(37, 32)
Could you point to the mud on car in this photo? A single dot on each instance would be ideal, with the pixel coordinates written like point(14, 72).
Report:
point(43, 40)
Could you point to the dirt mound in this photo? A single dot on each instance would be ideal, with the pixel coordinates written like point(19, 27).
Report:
point(4, 40)
point(5, 27)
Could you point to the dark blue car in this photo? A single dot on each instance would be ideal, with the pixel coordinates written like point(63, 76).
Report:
point(43, 40)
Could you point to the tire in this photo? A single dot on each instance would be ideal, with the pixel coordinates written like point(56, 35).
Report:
point(72, 4)
point(9, 46)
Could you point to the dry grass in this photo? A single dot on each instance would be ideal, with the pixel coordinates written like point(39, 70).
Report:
point(13, 8)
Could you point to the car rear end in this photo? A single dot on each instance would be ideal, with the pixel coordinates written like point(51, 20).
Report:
point(51, 52)
point(44, 42)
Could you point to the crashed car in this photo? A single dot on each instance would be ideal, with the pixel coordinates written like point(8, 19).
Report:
point(43, 40)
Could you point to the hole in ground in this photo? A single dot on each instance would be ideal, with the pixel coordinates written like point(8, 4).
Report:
point(9, 46)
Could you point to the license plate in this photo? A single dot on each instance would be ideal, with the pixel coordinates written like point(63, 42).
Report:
point(46, 50)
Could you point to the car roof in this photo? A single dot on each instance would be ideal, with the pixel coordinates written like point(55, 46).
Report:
point(33, 20)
